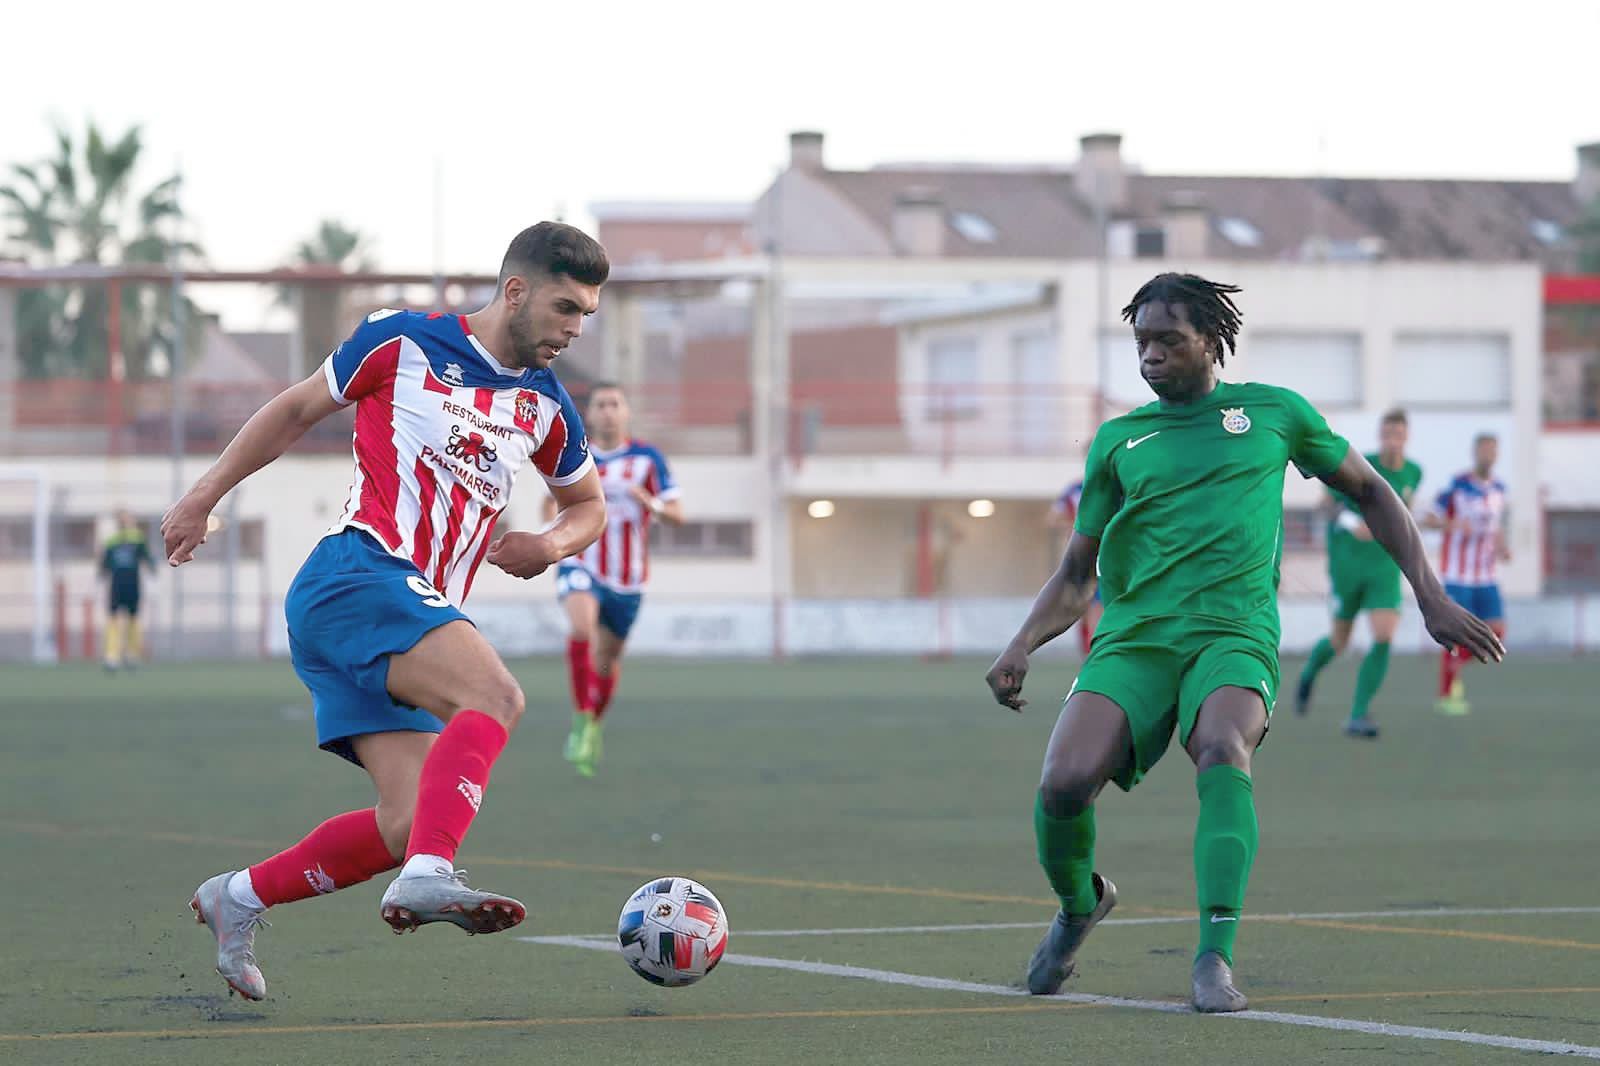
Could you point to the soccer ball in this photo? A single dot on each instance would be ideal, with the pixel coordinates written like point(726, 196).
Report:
point(672, 931)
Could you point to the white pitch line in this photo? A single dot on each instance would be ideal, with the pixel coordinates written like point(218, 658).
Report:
point(1309, 1021)
point(1327, 916)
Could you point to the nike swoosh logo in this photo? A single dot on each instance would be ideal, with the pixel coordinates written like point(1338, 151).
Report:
point(1215, 918)
point(1140, 440)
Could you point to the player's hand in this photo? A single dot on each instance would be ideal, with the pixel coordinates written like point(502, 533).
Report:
point(1453, 626)
point(183, 528)
point(1006, 675)
point(1361, 532)
point(644, 497)
point(523, 555)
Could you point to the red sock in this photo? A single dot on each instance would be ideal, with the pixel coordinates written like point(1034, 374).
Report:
point(454, 776)
point(604, 686)
point(343, 851)
point(580, 669)
point(1449, 668)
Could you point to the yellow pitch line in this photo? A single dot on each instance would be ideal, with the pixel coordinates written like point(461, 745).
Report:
point(1426, 994)
point(536, 1023)
point(46, 829)
point(1461, 934)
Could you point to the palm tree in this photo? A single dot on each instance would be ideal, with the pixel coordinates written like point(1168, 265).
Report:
point(324, 308)
point(78, 206)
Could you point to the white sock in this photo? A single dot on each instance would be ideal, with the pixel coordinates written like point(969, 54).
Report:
point(424, 866)
point(243, 891)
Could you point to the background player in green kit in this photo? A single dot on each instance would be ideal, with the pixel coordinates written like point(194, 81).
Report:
point(1182, 518)
point(1364, 578)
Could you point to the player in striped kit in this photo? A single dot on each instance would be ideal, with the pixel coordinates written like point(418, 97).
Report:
point(448, 408)
point(603, 588)
point(1473, 514)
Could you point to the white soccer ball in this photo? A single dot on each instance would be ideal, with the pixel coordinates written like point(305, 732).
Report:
point(672, 931)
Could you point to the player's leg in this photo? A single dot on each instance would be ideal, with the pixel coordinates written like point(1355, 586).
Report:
point(114, 642)
point(1090, 745)
point(583, 612)
point(1347, 603)
point(618, 611)
point(135, 645)
point(1452, 691)
point(1374, 667)
point(453, 674)
point(1229, 691)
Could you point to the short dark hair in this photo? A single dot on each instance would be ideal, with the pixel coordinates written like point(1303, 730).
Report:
point(556, 248)
point(603, 385)
point(1485, 435)
point(1394, 415)
point(1212, 311)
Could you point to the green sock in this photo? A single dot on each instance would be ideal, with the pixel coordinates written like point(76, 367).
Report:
point(1370, 679)
point(1066, 851)
point(1224, 847)
point(1321, 656)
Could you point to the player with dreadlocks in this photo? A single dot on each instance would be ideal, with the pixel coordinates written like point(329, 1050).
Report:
point(1181, 519)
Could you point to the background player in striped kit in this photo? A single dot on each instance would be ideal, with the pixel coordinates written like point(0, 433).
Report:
point(603, 588)
point(1472, 512)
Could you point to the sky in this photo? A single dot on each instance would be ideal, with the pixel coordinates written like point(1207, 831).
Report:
point(280, 115)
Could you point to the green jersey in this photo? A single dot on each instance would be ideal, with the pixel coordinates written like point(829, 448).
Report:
point(1344, 547)
point(124, 554)
point(1187, 502)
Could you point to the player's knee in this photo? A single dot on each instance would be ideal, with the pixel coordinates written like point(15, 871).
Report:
point(499, 697)
point(1222, 749)
point(1067, 790)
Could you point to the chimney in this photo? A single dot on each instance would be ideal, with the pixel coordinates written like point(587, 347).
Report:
point(918, 227)
point(1187, 226)
point(1587, 186)
point(1099, 177)
point(805, 150)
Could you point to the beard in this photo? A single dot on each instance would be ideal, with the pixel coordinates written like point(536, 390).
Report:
point(524, 342)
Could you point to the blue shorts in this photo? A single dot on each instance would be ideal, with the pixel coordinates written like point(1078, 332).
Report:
point(351, 606)
point(1482, 600)
point(617, 609)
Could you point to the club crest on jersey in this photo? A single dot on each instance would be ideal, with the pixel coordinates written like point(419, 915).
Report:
point(527, 411)
point(453, 375)
point(1234, 420)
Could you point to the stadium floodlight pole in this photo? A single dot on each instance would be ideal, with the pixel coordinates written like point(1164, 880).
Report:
point(175, 380)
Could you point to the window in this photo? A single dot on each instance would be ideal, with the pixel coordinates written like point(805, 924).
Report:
point(1239, 232)
point(1452, 370)
point(1573, 564)
point(1149, 242)
point(732, 539)
point(974, 227)
point(952, 377)
point(1545, 231)
point(1325, 368)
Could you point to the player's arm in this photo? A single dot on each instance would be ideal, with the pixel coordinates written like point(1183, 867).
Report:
point(1392, 526)
point(666, 510)
point(1062, 601)
point(580, 517)
point(267, 435)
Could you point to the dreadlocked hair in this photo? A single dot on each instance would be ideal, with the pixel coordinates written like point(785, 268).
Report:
point(1212, 311)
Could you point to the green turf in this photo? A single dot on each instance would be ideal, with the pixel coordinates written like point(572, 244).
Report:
point(807, 795)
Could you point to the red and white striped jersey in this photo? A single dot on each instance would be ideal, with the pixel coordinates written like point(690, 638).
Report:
point(620, 559)
point(1468, 557)
point(441, 431)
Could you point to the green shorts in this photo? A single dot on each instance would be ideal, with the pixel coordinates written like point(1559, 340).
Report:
point(1361, 587)
point(1160, 677)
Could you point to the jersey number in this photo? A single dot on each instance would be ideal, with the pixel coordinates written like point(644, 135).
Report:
point(431, 597)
